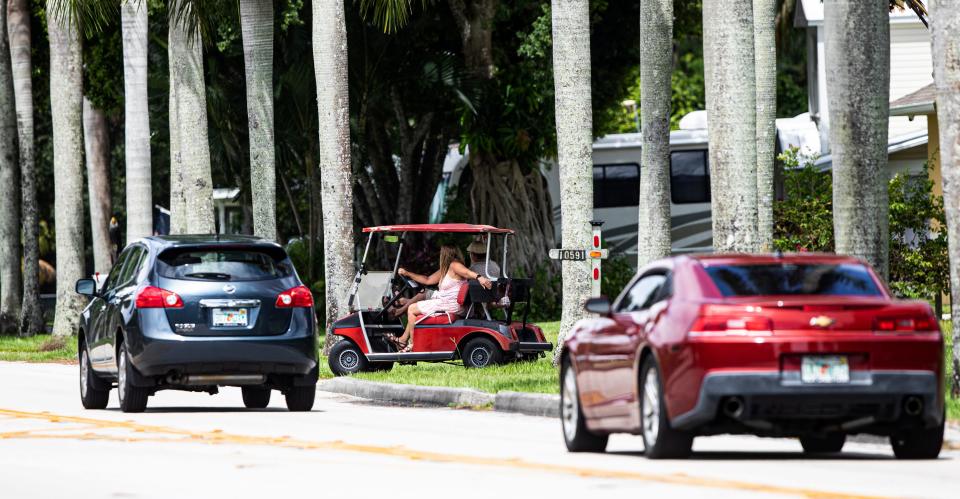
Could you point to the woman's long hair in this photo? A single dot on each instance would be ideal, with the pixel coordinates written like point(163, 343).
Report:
point(449, 254)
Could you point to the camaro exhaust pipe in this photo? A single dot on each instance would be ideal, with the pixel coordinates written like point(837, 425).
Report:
point(216, 379)
point(733, 407)
point(913, 406)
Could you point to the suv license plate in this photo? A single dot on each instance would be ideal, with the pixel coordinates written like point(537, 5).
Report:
point(825, 369)
point(233, 317)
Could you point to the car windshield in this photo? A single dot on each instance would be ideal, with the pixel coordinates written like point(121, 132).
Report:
point(222, 265)
point(793, 279)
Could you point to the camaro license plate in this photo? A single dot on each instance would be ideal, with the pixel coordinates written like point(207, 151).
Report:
point(825, 369)
point(230, 317)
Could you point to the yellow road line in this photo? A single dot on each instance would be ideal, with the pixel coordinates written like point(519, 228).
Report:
point(219, 437)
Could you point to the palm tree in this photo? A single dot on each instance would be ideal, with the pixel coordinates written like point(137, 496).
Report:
point(18, 22)
point(765, 52)
point(134, 23)
point(574, 112)
point(256, 25)
point(66, 102)
point(731, 108)
point(194, 178)
point(858, 96)
point(336, 177)
point(656, 65)
point(10, 285)
point(944, 26)
point(96, 142)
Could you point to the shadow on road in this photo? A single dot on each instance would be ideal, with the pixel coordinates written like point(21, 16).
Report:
point(770, 456)
point(197, 410)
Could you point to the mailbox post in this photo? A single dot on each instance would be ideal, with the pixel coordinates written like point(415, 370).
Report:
point(595, 254)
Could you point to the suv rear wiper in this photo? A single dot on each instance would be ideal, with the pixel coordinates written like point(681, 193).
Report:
point(209, 275)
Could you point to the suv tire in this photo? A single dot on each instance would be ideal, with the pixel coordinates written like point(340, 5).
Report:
point(92, 394)
point(132, 398)
point(481, 352)
point(346, 358)
point(660, 439)
point(255, 397)
point(300, 398)
point(575, 433)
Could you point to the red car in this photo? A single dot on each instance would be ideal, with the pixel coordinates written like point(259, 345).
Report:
point(804, 346)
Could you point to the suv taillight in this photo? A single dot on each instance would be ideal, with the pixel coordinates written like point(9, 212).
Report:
point(299, 296)
point(732, 326)
point(904, 324)
point(154, 297)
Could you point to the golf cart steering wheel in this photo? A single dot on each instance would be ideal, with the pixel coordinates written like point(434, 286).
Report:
point(404, 283)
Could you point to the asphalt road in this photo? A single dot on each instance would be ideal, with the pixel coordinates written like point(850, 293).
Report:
point(195, 445)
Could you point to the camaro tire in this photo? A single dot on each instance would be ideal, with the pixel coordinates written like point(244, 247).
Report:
point(829, 444)
point(481, 352)
point(92, 396)
point(346, 358)
point(255, 397)
point(132, 398)
point(660, 439)
point(918, 444)
point(300, 398)
point(575, 433)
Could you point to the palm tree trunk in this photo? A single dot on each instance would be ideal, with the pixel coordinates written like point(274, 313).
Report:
point(333, 109)
point(765, 51)
point(136, 119)
point(944, 26)
point(18, 23)
point(256, 24)
point(656, 65)
point(193, 154)
point(97, 148)
point(574, 111)
point(10, 285)
point(731, 109)
point(858, 101)
point(178, 203)
point(66, 106)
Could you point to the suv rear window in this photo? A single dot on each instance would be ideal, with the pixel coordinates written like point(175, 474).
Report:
point(793, 279)
point(223, 264)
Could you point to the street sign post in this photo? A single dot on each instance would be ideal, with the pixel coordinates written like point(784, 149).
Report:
point(595, 254)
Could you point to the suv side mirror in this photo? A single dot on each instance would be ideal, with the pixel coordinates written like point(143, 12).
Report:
point(87, 287)
point(599, 305)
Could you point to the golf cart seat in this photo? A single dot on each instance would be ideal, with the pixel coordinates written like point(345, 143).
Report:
point(444, 318)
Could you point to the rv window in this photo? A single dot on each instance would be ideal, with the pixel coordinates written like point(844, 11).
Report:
point(689, 177)
point(616, 185)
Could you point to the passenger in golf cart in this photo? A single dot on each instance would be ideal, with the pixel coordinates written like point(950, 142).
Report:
point(477, 332)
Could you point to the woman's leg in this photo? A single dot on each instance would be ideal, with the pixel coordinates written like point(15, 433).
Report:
point(412, 312)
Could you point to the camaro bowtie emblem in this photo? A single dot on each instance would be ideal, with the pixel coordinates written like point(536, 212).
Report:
point(821, 321)
point(229, 288)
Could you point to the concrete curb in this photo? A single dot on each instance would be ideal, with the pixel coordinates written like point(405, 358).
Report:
point(532, 404)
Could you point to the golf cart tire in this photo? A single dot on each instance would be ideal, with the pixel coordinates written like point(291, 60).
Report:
point(346, 358)
point(481, 352)
point(255, 397)
point(300, 398)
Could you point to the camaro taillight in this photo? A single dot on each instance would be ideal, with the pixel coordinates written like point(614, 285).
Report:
point(299, 296)
point(903, 324)
point(732, 326)
point(154, 297)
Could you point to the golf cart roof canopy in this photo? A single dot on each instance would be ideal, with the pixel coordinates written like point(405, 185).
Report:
point(462, 228)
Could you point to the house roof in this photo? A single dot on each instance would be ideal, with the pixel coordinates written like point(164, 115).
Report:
point(919, 102)
point(809, 13)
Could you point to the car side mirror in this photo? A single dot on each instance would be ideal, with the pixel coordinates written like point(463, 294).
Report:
point(87, 287)
point(599, 305)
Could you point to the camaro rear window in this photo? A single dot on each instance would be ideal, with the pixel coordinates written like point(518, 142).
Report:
point(793, 279)
point(221, 265)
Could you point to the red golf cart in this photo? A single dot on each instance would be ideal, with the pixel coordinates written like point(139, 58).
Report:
point(485, 331)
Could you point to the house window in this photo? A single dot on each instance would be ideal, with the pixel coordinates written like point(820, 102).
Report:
point(616, 185)
point(689, 177)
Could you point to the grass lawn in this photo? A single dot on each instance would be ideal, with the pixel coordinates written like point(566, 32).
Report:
point(539, 376)
point(953, 404)
point(38, 348)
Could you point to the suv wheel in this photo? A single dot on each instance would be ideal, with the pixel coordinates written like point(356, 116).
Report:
point(575, 433)
point(829, 444)
point(132, 398)
point(255, 397)
point(92, 394)
point(346, 358)
point(481, 352)
point(918, 444)
point(659, 438)
point(300, 398)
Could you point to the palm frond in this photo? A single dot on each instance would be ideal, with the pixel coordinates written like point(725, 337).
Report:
point(90, 17)
point(915, 5)
point(199, 16)
point(389, 15)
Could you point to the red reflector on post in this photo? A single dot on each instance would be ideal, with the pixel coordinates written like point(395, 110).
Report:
point(297, 297)
point(596, 274)
point(596, 241)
